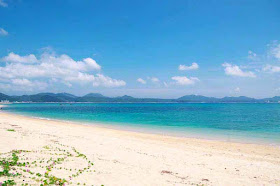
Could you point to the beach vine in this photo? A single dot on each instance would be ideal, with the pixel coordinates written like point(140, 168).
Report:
point(42, 167)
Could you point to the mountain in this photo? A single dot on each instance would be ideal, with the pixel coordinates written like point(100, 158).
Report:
point(197, 98)
point(273, 99)
point(4, 97)
point(124, 98)
point(66, 97)
point(240, 99)
point(93, 97)
point(99, 98)
point(45, 97)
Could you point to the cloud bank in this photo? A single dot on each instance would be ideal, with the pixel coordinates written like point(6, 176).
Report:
point(2, 31)
point(194, 66)
point(142, 81)
point(183, 80)
point(154, 79)
point(275, 50)
point(271, 68)
point(14, 58)
point(30, 71)
point(234, 70)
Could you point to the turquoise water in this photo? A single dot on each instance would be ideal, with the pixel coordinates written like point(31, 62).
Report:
point(230, 122)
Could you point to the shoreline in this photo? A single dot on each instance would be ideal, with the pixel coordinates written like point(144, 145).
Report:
point(101, 126)
point(129, 132)
point(134, 158)
point(150, 131)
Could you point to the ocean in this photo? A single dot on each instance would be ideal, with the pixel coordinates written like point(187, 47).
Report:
point(237, 122)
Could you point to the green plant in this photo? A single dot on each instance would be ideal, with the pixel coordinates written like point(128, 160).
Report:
point(15, 163)
point(8, 183)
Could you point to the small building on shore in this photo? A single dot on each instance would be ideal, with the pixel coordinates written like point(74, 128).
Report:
point(5, 102)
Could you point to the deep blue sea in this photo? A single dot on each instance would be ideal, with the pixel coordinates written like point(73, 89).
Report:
point(249, 123)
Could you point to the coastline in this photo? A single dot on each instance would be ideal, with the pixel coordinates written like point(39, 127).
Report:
point(133, 158)
point(130, 131)
point(231, 136)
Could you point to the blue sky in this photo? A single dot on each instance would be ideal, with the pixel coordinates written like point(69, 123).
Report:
point(225, 48)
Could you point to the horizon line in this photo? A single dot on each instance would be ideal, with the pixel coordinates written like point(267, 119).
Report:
point(139, 97)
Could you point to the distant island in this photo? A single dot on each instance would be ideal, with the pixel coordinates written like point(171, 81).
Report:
point(99, 98)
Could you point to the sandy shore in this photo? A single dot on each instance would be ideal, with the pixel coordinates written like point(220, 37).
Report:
point(100, 156)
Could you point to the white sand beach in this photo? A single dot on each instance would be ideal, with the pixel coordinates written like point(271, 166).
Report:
point(114, 157)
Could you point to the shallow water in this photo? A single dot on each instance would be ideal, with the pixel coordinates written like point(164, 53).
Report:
point(230, 121)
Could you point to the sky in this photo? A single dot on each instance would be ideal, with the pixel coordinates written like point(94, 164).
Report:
point(155, 48)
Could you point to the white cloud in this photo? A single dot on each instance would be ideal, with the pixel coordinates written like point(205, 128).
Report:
point(154, 79)
point(81, 78)
point(50, 68)
point(3, 3)
point(14, 58)
point(101, 80)
point(194, 66)
point(252, 55)
point(92, 63)
point(142, 81)
point(21, 82)
point(234, 70)
point(275, 50)
point(272, 69)
point(183, 80)
point(2, 31)
point(237, 90)
point(67, 84)
point(23, 85)
point(277, 90)
point(64, 61)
